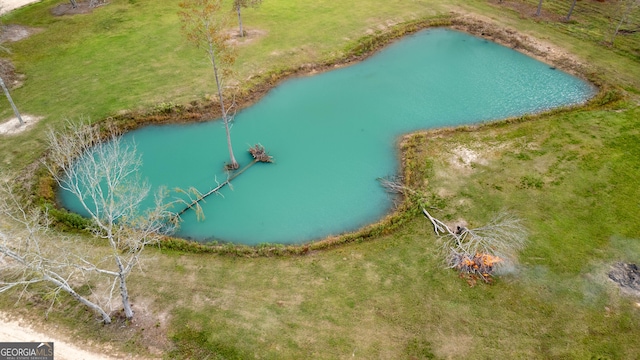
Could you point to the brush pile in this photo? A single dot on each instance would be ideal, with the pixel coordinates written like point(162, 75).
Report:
point(259, 153)
point(478, 264)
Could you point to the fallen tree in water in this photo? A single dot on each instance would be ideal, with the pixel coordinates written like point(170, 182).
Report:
point(259, 155)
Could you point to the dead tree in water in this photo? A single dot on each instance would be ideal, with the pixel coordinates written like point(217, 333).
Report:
point(205, 26)
point(260, 154)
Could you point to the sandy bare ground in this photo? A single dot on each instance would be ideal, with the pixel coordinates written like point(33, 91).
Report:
point(8, 5)
point(15, 331)
point(13, 126)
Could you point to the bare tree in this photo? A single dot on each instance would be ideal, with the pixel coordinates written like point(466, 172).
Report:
point(204, 24)
point(25, 259)
point(238, 5)
point(539, 10)
point(6, 90)
point(622, 12)
point(102, 176)
point(13, 105)
point(74, 4)
point(573, 5)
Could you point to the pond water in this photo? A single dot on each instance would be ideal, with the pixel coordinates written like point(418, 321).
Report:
point(334, 134)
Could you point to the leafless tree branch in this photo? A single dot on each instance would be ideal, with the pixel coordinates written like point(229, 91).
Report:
point(26, 259)
point(483, 249)
point(101, 173)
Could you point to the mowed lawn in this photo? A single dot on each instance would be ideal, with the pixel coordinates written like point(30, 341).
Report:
point(572, 176)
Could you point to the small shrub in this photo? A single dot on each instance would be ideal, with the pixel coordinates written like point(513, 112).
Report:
point(165, 108)
point(531, 182)
point(68, 219)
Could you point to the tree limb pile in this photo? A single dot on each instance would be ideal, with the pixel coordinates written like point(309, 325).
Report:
point(479, 251)
point(259, 153)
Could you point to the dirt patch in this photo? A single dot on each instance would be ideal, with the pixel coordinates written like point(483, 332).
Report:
point(13, 126)
point(250, 35)
point(83, 7)
point(627, 276)
point(465, 158)
point(13, 32)
point(150, 326)
point(9, 5)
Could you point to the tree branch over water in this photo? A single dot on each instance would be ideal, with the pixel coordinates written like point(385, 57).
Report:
point(102, 174)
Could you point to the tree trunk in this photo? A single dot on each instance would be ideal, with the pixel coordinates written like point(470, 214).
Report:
point(573, 4)
point(240, 21)
point(122, 277)
point(105, 317)
point(615, 32)
point(233, 163)
point(623, 17)
point(124, 292)
point(74, 4)
point(13, 106)
point(539, 8)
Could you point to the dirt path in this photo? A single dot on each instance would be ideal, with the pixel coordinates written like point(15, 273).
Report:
point(15, 331)
point(8, 5)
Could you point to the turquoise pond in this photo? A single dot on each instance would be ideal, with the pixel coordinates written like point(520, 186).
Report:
point(334, 134)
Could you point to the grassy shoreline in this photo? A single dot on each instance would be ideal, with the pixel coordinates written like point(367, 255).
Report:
point(571, 174)
point(358, 51)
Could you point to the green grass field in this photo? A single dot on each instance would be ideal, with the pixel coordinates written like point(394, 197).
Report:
point(571, 175)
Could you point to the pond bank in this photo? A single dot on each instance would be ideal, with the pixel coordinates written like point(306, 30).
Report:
point(362, 49)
